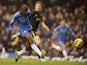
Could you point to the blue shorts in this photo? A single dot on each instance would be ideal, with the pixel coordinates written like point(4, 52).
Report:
point(23, 32)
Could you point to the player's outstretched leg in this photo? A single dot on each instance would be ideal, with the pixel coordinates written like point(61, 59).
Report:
point(17, 39)
point(19, 53)
point(34, 46)
point(17, 57)
point(64, 51)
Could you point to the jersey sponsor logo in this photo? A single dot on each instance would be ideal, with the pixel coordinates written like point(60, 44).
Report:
point(63, 30)
point(38, 19)
point(22, 19)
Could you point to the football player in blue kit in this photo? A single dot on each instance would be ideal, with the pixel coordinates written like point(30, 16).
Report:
point(22, 17)
point(61, 32)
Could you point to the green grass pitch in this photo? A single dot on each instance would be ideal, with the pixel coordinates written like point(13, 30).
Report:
point(10, 61)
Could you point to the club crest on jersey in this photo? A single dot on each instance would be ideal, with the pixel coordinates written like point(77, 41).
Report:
point(22, 19)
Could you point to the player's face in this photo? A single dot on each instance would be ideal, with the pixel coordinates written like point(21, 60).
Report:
point(63, 22)
point(23, 10)
point(38, 7)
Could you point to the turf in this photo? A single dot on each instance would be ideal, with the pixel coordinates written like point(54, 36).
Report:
point(37, 62)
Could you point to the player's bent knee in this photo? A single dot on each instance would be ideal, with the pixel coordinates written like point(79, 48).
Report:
point(37, 40)
point(28, 38)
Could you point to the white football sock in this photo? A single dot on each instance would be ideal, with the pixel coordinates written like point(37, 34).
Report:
point(64, 53)
point(22, 51)
point(36, 49)
point(57, 48)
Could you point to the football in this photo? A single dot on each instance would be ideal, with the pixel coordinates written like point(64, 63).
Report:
point(78, 43)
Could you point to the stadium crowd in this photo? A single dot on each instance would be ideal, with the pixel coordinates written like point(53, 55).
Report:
point(75, 16)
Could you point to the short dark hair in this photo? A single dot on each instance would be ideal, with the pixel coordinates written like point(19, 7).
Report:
point(38, 2)
point(24, 5)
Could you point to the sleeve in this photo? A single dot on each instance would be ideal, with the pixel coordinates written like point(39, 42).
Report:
point(71, 31)
point(28, 12)
point(57, 29)
point(54, 33)
point(32, 13)
point(11, 24)
point(31, 16)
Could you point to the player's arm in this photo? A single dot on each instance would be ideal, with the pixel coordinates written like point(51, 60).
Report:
point(45, 27)
point(55, 34)
point(11, 24)
point(10, 28)
point(28, 12)
point(72, 32)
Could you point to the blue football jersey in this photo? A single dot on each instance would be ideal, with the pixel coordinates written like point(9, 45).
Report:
point(23, 21)
point(63, 32)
